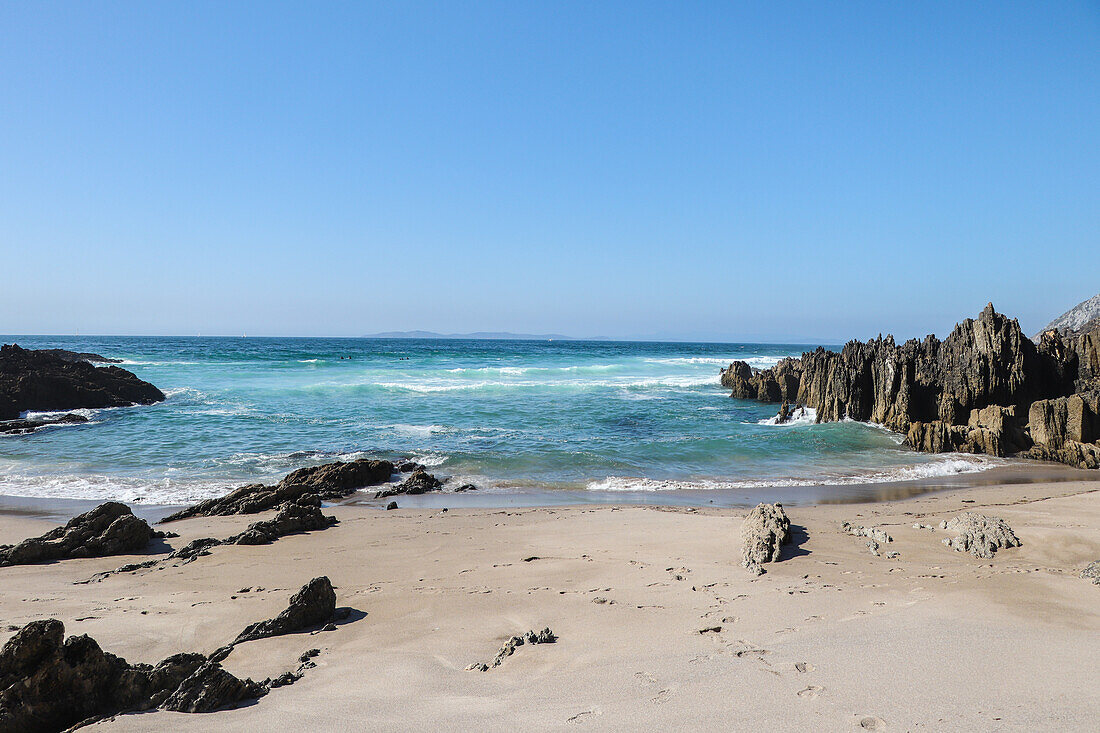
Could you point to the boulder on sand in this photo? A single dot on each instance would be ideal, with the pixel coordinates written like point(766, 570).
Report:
point(979, 535)
point(420, 482)
point(109, 529)
point(763, 532)
point(49, 683)
point(313, 605)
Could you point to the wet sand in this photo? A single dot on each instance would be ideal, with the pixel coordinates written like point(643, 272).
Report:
point(830, 638)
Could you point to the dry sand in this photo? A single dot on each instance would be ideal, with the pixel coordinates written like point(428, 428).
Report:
point(831, 638)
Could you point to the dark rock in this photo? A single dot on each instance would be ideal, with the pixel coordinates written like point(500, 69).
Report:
point(33, 380)
point(419, 482)
point(546, 636)
point(313, 605)
point(303, 515)
point(22, 427)
point(79, 356)
point(784, 415)
point(109, 529)
point(391, 505)
point(195, 548)
point(211, 688)
point(408, 466)
point(986, 388)
point(328, 481)
point(737, 377)
point(47, 684)
point(465, 487)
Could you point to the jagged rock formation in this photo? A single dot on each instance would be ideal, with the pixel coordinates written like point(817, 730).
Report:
point(302, 515)
point(328, 481)
point(313, 605)
point(986, 388)
point(1092, 572)
point(420, 482)
point(44, 382)
point(109, 529)
point(22, 427)
point(49, 683)
point(546, 636)
point(979, 535)
point(79, 356)
point(211, 688)
point(763, 533)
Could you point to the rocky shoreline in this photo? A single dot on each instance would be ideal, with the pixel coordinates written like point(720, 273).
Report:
point(986, 388)
point(55, 380)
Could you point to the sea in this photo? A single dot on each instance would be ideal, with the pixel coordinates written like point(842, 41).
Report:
point(528, 422)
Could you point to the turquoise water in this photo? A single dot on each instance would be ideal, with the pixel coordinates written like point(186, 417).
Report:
point(598, 421)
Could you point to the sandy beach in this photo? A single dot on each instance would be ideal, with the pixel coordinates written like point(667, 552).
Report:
point(658, 625)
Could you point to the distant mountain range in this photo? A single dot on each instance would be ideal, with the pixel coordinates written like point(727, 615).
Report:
point(482, 335)
point(1078, 316)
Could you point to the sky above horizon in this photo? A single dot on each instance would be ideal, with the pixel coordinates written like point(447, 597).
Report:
point(787, 172)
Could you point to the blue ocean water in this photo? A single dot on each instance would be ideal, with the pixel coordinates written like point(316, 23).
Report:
point(590, 421)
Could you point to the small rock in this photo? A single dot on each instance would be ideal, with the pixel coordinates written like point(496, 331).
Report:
point(763, 532)
point(979, 535)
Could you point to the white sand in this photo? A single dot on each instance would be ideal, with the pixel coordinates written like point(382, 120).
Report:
point(933, 640)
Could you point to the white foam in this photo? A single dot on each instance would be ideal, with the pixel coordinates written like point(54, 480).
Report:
point(430, 459)
point(428, 387)
point(951, 464)
point(761, 362)
point(417, 431)
point(801, 416)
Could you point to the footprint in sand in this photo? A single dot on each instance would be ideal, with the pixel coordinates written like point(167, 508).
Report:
point(870, 722)
point(810, 692)
point(804, 667)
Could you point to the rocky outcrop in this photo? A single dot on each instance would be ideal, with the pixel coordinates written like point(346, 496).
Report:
point(44, 382)
point(211, 688)
point(79, 356)
point(49, 683)
point(329, 481)
point(986, 388)
point(22, 427)
point(979, 535)
point(420, 482)
point(546, 636)
point(109, 529)
point(1092, 572)
point(313, 605)
point(763, 533)
point(302, 515)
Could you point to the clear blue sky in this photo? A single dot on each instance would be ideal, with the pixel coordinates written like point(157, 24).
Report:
point(767, 170)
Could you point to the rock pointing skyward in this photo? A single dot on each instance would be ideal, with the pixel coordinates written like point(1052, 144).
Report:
point(986, 388)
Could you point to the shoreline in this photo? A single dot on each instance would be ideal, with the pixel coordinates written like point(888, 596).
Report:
point(658, 624)
point(57, 509)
